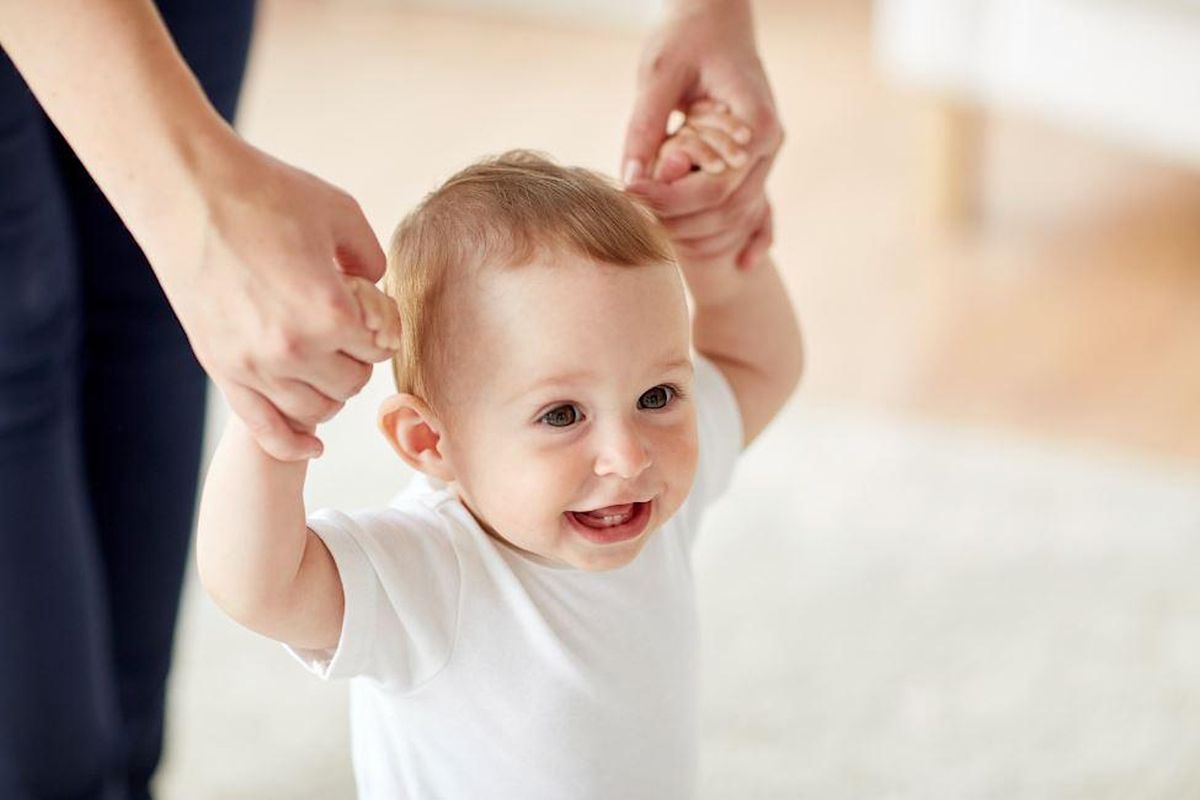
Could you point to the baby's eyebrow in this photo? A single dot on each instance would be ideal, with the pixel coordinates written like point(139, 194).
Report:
point(564, 378)
point(677, 363)
point(560, 379)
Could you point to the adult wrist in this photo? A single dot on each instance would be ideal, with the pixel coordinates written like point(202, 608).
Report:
point(168, 210)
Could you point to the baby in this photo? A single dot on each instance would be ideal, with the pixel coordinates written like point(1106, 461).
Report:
point(520, 621)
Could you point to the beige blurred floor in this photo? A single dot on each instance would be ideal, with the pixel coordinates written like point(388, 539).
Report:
point(978, 519)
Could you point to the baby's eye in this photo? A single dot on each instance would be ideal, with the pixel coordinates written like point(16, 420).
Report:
point(655, 398)
point(561, 417)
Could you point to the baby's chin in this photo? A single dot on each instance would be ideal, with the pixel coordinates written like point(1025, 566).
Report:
point(609, 561)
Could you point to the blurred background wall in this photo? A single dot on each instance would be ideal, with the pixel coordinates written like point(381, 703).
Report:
point(962, 563)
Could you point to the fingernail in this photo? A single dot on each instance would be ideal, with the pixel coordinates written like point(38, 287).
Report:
point(633, 171)
point(742, 135)
point(737, 158)
point(715, 167)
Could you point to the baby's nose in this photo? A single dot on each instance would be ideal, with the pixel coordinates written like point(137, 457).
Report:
point(623, 453)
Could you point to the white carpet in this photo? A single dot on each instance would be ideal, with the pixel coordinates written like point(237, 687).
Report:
point(890, 610)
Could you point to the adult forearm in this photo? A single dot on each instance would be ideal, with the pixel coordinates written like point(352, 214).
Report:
point(111, 79)
point(251, 530)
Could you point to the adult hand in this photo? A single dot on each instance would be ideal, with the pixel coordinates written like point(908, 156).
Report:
point(247, 248)
point(259, 291)
point(705, 50)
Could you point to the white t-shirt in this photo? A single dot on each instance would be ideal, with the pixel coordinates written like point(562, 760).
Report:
point(478, 672)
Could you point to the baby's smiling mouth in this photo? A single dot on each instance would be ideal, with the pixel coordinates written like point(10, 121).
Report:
point(606, 517)
point(613, 523)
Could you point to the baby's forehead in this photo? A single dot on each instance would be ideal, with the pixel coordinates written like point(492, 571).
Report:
point(564, 312)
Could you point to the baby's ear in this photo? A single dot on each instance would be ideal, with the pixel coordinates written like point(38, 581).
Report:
point(414, 433)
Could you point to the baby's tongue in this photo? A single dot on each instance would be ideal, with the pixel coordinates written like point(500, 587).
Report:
point(610, 511)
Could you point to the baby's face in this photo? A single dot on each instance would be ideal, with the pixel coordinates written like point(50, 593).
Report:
point(569, 423)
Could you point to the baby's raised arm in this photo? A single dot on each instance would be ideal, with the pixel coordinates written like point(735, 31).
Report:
point(743, 320)
point(256, 556)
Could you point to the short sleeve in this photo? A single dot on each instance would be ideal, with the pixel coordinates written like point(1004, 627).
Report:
point(401, 581)
point(719, 430)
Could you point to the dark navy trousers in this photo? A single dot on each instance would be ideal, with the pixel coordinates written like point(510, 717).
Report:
point(101, 418)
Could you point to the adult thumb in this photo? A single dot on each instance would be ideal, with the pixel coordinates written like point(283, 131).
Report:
point(357, 249)
point(659, 94)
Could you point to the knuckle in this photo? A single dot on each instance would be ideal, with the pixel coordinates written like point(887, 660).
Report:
point(285, 346)
point(338, 309)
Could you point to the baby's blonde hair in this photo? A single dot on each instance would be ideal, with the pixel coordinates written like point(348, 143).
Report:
point(503, 212)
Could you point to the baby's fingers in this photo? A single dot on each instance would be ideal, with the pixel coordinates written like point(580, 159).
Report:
point(697, 152)
point(710, 114)
point(389, 334)
point(721, 142)
point(379, 312)
point(362, 289)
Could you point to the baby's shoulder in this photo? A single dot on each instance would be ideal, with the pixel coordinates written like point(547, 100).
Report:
point(412, 527)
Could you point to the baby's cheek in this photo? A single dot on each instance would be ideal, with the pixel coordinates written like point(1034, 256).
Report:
point(533, 485)
point(682, 455)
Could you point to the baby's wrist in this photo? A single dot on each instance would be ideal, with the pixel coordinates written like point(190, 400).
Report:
point(711, 285)
point(250, 448)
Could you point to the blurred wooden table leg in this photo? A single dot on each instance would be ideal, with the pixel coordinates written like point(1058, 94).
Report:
point(953, 162)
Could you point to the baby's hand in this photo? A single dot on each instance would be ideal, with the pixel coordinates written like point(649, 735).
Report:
point(378, 311)
point(708, 147)
point(710, 140)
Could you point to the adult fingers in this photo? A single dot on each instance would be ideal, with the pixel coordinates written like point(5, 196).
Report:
point(751, 102)
point(727, 243)
point(357, 248)
point(368, 347)
point(338, 376)
point(345, 328)
point(268, 426)
point(660, 90)
point(695, 192)
point(301, 404)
